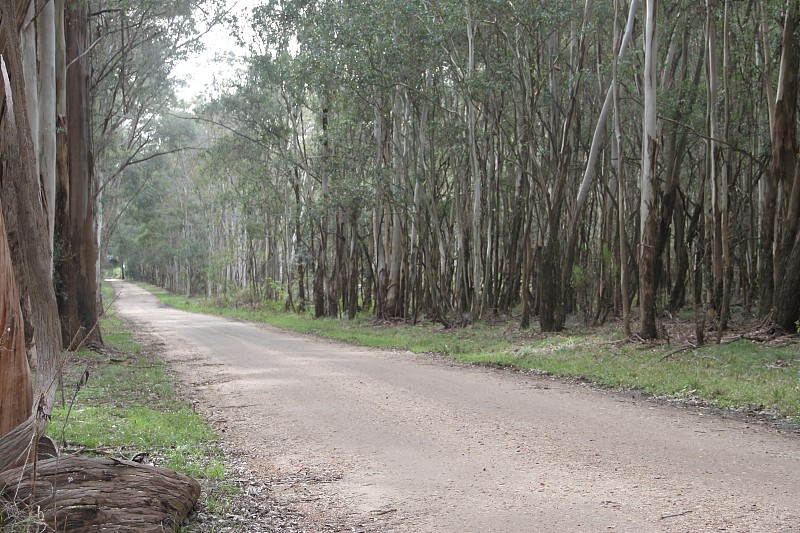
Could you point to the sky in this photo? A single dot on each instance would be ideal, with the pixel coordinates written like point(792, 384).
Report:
point(203, 70)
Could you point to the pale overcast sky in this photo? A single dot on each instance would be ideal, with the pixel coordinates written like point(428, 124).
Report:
point(202, 70)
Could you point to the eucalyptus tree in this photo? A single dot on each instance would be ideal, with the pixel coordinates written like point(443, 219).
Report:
point(785, 174)
point(619, 171)
point(76, 255)
point(27, 291)
point(41, 41)
point(647, 306)
point(102, 69)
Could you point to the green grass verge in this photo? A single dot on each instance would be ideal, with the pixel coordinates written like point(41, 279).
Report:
point(739, 374)
point(742, 374)
point(129, 404)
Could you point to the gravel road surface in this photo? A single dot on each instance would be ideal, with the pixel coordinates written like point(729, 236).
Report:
point(368, 440)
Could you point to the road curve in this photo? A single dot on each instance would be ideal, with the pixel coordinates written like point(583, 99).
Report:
point(394, 441)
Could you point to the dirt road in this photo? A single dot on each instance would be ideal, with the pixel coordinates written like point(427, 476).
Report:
point(392, 441)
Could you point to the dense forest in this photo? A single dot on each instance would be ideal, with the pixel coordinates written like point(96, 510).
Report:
point(453, 160)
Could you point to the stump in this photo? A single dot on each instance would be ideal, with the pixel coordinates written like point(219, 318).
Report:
point(94, 494)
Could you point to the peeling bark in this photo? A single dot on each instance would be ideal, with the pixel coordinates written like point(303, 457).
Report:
point(16, 394)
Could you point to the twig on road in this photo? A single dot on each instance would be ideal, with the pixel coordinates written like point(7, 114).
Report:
point(664, 516)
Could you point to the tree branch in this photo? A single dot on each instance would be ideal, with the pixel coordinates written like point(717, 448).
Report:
point(221, 125)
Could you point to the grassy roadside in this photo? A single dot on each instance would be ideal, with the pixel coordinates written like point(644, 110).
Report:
point(742, 374)
point(123, 402)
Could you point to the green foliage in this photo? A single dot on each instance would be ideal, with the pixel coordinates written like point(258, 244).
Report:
point(112, 273)
point(579, 277)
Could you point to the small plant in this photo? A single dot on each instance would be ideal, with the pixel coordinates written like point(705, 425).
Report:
point(14, 518)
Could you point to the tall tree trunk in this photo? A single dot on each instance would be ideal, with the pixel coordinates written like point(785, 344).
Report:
point(24, 216)
point(649, 180)
point(619, 167)
point(352, 266)
point(697, 268)
point(551, 310)
point(787, 303)
point(527, 250)
point(78, 294)
point(324, 303)
point(46, 34)
point(298, 232)
point(727, 172)
point(784, 150)
point(396, 245)
point(790, 176)
point(475, 174)
point(678, 292)
point(714, 171)
point(381, 160)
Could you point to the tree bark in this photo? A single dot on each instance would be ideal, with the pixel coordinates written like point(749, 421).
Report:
point(647, 297)
point(475, 175)
point(78, 294)
point(16, 393)
point(619, 167)
point(24, 215)
point(714, 171)
point(787, 303)
point(784, 150)
point(726, 176)
point(46, 36)
point(396, 239)
point(30, 71)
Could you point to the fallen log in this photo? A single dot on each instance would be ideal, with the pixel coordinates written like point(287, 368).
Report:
point(101, 494)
